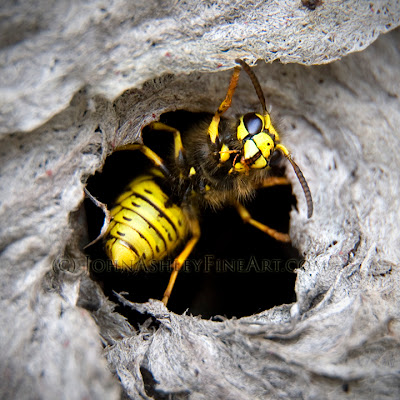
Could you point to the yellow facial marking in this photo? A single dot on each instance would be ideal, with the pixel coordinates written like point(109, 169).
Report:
point(265, 143)
point(259, 163)
point(250, 149)
point(262, 120)
point(269, 127)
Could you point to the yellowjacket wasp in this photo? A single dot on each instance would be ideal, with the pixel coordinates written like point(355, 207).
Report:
point(216, 162)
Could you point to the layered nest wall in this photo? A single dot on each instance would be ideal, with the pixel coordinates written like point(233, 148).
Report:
point(78, 81)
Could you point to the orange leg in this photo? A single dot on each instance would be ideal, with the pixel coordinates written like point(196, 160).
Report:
point(178, 262)
point(150, 154)
point(273, 181)
point(213, 128)
point(246, 217)
point(179, 150)
point(160, 126)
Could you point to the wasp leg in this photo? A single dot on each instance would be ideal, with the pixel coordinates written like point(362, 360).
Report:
point(273, 181)
point(150, 154)
point(178, 262)
point(246, 217)
point(178, 146)
point(213, 128)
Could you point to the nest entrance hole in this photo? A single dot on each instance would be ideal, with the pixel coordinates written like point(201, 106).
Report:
point(234, 270)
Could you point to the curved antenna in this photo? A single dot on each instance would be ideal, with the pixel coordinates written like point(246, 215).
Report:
point(255, 83)
point(300, 177)
point(304, 185)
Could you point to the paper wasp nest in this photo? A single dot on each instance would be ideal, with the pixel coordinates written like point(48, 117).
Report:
point(65, 74)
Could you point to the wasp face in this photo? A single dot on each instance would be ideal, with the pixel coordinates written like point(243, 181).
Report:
point(258, 138)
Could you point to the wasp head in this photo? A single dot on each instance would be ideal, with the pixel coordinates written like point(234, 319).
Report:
point(258, 138)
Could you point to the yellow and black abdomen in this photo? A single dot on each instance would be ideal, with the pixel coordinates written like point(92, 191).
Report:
point(145, 226)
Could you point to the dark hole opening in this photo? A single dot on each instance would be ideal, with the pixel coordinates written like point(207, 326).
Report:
point(234, 270)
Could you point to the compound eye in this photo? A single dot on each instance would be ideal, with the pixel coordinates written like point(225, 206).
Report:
point(252, 123)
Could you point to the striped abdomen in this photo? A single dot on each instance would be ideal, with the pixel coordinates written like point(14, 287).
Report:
point(143, 228)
